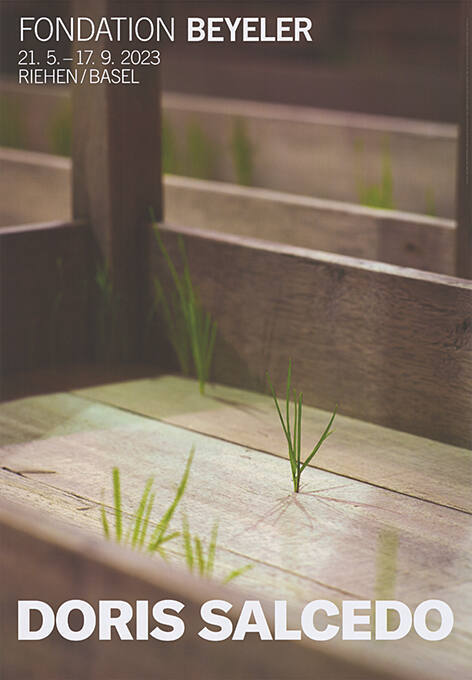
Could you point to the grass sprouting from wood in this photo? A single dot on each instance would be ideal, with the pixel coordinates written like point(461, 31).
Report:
point(293, 434)
point(378, 195)
point(190, 329)
point(242, 153)
point(138, 534)
point(200, 152)
point(200, 562)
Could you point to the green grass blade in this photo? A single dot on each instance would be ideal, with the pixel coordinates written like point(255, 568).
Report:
point(299, 440)
point(117, 499)
point(144, 527)
point(170, 537)
point(196, 353)
point(199, 554)
point(323, 437)
point(164, 522)
point(187, 543)
point(210, 348)
point(287, 436)
point(237, 572)
point(192, 297)
point(274, 397)
point(287, 399)
point(212, 550)
point(190, 332)
point(140, 511)
point(170, 265)
point(105, 525)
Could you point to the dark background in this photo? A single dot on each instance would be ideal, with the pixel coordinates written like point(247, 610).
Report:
point(396, 58)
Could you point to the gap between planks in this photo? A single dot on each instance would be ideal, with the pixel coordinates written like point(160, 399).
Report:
point(84, 513)
point(411, 465)
point(81, 441)
point(106, 570)
point(302, 541)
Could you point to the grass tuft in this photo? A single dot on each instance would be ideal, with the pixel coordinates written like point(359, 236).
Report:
point(195, 554)
point(294, 435)
point(190, 328)
point(136, 534)
point(379, 195)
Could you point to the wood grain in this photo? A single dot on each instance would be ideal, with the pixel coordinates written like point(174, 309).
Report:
point(389, 345)
point(101, 570)
point(303, 150)
point(327, 154)
point(77, 442)
point(394, 460)
point(66, 459)
point(398, 238)
point(386, 236)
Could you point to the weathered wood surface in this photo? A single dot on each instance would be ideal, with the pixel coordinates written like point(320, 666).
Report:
point(309, 151)
point(464, 161)
point(398, 238)
point(35, 187)
point(390, 345)
point(59, 457)
point(386, 458)
point(324, 153)
point(44, 289)
point(386, 236)
point(117, 172)
point(102, 570)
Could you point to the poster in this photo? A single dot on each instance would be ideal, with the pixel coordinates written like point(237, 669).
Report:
point(236, 318)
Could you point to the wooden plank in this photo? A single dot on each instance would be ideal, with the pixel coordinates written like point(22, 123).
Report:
point(117, 172)
point(35, 187)
point(387, 458)
point(71, 509)
point(398, 238)
point(326, 154)
point(81, 441)
point(389, 345)
point(386, 236)
point(72, 513)
point(44, 289)
point(257, 513)
point(101, 570)
point(464, 186)
point(313, 151)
